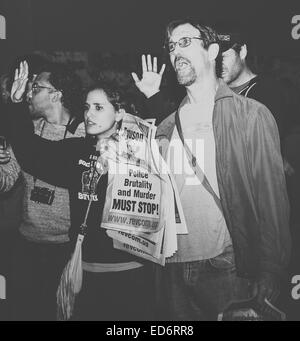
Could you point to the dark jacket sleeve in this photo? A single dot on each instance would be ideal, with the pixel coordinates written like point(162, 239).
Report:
point(270, 189)
point(50, 161)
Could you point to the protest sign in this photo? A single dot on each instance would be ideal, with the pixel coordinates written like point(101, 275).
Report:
point(133, 199)
point(142, 212)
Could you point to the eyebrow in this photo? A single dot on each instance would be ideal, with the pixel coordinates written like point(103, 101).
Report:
point(185, 36)
point(95, 103)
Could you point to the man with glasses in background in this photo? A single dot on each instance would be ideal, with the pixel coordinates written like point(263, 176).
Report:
point(54, 99)
point(231, 185)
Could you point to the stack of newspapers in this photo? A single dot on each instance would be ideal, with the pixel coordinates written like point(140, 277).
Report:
point(142, 212)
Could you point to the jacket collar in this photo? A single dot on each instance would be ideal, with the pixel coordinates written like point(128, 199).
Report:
point(73, 125)
point(253, 80)
point(223, 91)
point(165, 129)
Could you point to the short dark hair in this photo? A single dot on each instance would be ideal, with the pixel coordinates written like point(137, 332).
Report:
point(64, 79)
point(207, 33)
point(234, 35)
point(110, 84)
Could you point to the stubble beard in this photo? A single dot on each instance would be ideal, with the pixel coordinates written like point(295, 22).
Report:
point(186, 78)
point(35, 113)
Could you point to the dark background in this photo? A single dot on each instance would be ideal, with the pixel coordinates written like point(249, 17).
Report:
point(126, 26)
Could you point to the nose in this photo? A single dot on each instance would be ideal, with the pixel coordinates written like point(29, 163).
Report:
point(29, 95)
point(178, 48)
point(88, 113)
point(173, 55)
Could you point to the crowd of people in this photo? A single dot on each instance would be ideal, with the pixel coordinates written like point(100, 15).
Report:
point(235, 202)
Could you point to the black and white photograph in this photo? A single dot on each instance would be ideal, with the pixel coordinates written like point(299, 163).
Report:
point(149, 163)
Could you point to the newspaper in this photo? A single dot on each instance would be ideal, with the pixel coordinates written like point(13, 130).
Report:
point(142, 212)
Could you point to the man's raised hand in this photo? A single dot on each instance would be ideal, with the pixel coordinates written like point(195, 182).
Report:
point(150, 82)
point(19, 84)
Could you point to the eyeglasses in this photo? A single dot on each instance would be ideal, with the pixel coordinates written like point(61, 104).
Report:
point(36, 88)
point(182, 42)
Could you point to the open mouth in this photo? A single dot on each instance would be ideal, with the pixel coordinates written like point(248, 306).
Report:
point(224, 71)
point(181, 64)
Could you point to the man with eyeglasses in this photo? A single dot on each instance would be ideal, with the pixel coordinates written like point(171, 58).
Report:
point(42, 250)
point(231, 185)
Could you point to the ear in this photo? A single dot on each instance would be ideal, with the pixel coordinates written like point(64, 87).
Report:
point(56, 96)
point(213, 51)
point(243, 52)
point(120, 114)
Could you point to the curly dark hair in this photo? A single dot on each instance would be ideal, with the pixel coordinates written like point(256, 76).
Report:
point(64, 79)
point(113, 85)
point(208, 34)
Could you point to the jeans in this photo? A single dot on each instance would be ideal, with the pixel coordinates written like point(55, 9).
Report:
point(200, 290)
